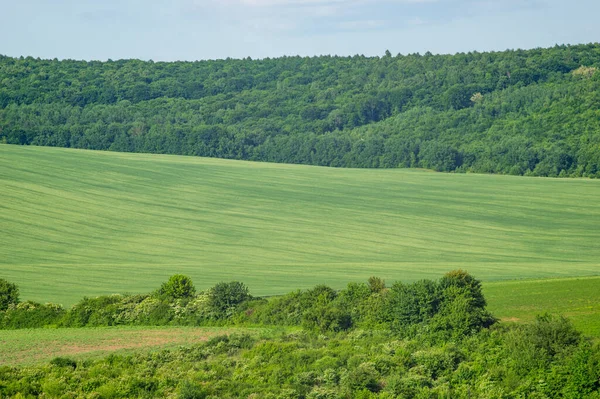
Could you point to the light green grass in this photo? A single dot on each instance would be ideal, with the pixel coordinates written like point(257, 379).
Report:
point(80, 223)
point(520, 301)
point(22, 347)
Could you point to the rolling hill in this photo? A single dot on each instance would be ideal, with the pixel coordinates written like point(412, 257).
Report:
point(77, 223)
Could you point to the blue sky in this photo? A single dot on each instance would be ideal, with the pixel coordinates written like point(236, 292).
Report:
point(209, 29)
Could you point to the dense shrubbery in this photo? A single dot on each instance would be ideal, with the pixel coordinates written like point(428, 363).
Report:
point(9, 294)
point(427, 339)
point(532, 112)
point(31, 315)
point(359, 364)
point(451, 307)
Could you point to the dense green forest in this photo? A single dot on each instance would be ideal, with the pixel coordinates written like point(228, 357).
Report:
point(534, 112)
point(427, 339)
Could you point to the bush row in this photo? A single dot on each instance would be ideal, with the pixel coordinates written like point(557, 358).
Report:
point(453, 306)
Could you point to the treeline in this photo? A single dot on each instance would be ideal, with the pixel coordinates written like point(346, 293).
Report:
point(452, 307)
point(534, 112)
point(435, 341)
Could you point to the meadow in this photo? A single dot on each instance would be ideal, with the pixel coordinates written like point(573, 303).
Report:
point(35, 346)
point(79, 223)
point(521, 301)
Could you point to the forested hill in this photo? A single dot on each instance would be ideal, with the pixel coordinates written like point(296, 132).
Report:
point(519, 112)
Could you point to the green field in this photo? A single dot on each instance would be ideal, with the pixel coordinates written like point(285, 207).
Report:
point(520, 301)
point(80, 223)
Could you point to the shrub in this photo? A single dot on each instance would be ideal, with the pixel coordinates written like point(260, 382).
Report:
point(224, 297)
point(365, 376)
point(376, 284)
point(99, 311)
point(452, 308)
point(459, 315)
point(413, 303)
point(31, 315)
point(9, 294)
point(320, 294)
point(461, 279)
point(188, 390)
point(326, 318)
point(533, 346)
point(177, 287)
point(64, 362)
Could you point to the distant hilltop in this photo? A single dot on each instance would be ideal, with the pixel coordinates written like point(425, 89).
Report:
point(521, 112)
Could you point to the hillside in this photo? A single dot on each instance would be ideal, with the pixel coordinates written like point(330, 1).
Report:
point(83, 223)
point(533, 112)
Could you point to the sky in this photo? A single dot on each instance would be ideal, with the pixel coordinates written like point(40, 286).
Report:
point(170, 30)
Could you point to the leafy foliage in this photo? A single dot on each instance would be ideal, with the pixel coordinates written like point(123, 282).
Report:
point(531, 112)
point(447, 352)
point(178, 287)
point(9, 294)
point(358, 364)
point(452, 307)
point(224, 297)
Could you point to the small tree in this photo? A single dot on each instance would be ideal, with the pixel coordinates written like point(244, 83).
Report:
point(463, 280)
point(376, 284)
point(9, 294)
point(178, 287)
point(225, 296)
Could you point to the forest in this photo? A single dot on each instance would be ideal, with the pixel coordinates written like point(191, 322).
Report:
point(522, 112)
point(427, 339)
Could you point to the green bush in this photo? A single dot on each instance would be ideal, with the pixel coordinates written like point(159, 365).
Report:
point(225, 297)
point(31, 315)
point(63, 362)
point(177, 287)
point(365, 376)
point(189, 390)
point(99, 311)
point(532, 346)
point(9, 294)
point(326, 319)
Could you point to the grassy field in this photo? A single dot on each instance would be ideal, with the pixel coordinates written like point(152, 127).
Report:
point(22, 347)
point(520, 301)
point(80, 223)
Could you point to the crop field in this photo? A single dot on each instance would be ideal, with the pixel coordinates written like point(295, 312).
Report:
point(520, 301)
point(22, 347)
point(79, 223)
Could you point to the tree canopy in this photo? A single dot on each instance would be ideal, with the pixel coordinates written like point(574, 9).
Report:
point(9, 294)
point(534, 112)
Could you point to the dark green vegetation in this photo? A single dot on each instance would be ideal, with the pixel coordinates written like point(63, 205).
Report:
point(532, 112)
point(9, 294)
point(429, 339)
point(359, 364)
point(76, 223)
point(452, 307)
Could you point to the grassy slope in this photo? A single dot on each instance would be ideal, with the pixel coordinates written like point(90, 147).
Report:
point(520, 301)
point(75, 223)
